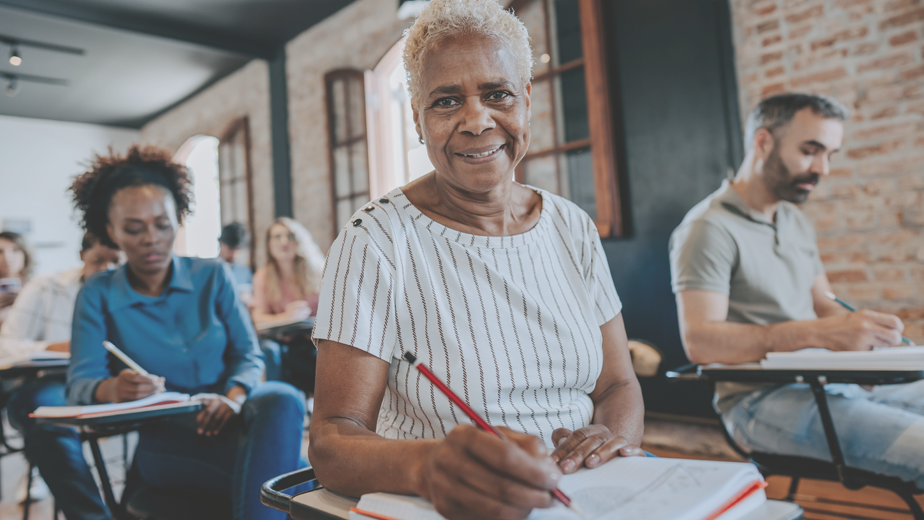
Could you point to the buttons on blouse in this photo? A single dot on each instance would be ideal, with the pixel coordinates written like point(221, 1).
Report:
point(369, 208)
point(383, 200)
point(357, 222)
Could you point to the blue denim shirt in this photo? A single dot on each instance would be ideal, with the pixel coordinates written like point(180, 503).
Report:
point(197, 334)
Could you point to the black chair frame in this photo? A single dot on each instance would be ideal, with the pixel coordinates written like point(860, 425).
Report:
point(802, 467)
point(271, 494)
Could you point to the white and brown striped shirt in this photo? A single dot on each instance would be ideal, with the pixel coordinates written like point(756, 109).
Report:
point(511, 324)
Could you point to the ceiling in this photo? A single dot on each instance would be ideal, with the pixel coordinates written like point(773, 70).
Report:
point(141, 57)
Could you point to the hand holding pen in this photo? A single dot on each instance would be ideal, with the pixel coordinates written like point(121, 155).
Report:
point(520, 471)
point(850, 308)
point(131, 384)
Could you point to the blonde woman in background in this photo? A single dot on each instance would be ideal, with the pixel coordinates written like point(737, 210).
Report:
point(16, 265)
point(287, 286)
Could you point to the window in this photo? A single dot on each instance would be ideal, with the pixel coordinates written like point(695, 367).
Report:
point(346, 116)
point(235, 181)
point(571, 143)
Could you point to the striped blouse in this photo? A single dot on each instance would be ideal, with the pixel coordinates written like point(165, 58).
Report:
point(511, 324)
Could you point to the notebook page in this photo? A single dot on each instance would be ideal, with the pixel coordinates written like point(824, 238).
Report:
point(74, 411)
point(629, 488)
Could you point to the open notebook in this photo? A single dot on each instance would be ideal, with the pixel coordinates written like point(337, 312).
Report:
point(893, 358)
point(159, 401)
point(633, 487)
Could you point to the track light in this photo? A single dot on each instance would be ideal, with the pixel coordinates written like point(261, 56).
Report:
point(12, 88)
point(15, 58)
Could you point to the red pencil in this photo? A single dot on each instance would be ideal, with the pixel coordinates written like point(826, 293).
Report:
point(483, 424)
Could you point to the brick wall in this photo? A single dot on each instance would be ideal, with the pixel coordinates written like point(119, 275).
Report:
point(243, 93)
point(356, 37)
point(869, 213)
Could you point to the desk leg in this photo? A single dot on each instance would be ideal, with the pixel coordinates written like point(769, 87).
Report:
point(837, 456)
point(108, 495)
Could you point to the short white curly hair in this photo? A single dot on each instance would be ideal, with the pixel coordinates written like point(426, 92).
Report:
point(445, 19)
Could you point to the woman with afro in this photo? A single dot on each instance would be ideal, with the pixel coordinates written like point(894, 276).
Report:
point(178, 318)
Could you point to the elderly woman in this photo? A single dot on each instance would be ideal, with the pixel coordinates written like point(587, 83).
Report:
point(502, 289)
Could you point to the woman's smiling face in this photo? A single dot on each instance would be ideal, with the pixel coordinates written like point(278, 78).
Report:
point(473, 113)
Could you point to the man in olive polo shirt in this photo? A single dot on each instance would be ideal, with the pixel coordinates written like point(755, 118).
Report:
point(748, 280)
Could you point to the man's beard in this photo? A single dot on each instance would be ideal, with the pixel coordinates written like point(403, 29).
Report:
point(783, 183)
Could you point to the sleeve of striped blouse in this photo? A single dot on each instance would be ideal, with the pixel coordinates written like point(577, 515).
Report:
point(600, 281)
point(355, 305)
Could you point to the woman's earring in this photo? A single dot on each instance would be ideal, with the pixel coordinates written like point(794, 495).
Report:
point(420, 139)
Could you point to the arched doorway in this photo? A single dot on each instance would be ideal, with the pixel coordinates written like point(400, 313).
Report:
point(199, 234)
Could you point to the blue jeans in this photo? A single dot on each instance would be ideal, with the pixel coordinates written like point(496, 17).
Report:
point(264, 442)
point(272, 358)
point(56, 451)
point(881, 430)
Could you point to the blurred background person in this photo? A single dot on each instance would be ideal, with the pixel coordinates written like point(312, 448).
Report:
point(15, 268)
point(231, 242)
point(287, 287)
point(40, 319)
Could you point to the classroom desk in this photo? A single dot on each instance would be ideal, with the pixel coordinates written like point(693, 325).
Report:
point(28, 370)
point(320, 504)
point(93, 428)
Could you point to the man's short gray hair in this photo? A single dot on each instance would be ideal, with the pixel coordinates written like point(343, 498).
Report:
point(776, 111)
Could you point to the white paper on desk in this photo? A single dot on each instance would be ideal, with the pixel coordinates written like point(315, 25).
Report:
point(30, 357)
point(892, 358)
point(625, 488)
point(163, 399)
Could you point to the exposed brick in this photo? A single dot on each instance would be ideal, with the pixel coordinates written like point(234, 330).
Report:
point(797, 32)
point(770, 56)
point(887, 62)
point(867, 292)
point(865, 48)
point(912, 313)
point(845, 35)
point(771, 40)
point(776, 71)
point(845, 191)
point(772, 25)
point(765, 9)
point(879, 149)
point(847, 275)
point(875, 187)
point(846, 4)
point(889, 274)
point(846, 257)
point(897, 5)
point(903, 19)
point(889, 111)
point(917, 274)
point(892, 166)
point(813, 12)
point(911, 182)
point(903, 38)
point(914, 72)
point(775, 88)
point(886, 130)
point(912, 217)
point(819, 77)
point(898, 292)
point(842, 171)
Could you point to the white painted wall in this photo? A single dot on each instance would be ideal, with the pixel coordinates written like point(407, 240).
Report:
point(38, 161)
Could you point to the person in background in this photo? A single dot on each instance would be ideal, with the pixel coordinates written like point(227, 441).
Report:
point(232, 239)
point(287, 286)
point(181, 319)
point(15, 268)
point(41, 320)
point(749, 280)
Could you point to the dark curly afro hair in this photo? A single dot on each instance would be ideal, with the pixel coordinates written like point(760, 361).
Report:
point(93, 190)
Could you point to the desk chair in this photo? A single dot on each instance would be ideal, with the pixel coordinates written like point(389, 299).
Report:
point(802, 467)
point(8, 375)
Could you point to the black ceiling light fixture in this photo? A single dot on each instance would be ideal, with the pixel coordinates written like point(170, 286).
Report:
point(16, 43)
point(14, 80)
point(15, 58)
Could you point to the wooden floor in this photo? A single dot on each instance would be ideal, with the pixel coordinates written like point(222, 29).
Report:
point(664, 436)
point(821, 500)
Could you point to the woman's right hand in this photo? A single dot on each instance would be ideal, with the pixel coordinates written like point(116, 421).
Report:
point(472, 474)
point(298, 310)
point(128, 386)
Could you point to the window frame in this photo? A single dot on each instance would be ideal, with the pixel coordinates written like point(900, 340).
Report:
point(240, 126)
point(601, 142)
point(332, 143)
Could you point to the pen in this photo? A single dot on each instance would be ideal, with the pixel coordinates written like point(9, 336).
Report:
point(125, 359)
point(850, 308)
point(483, 424)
